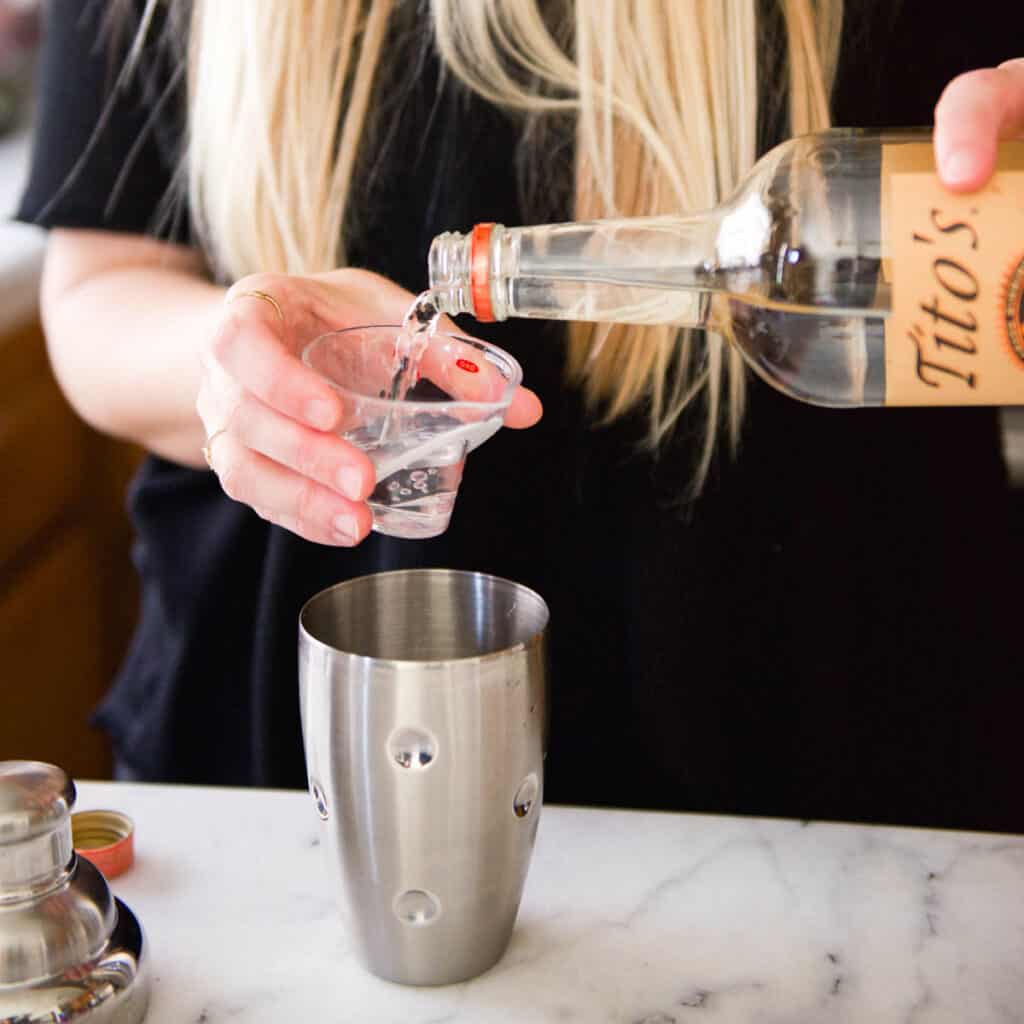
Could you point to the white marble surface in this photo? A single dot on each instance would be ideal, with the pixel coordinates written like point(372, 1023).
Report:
point(627, 918)
point(21, 246)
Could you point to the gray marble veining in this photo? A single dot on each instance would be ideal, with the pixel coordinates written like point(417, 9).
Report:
point(628, 918)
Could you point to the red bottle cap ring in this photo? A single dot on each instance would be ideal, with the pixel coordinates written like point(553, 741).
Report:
point(106, 839)
point(479, 272)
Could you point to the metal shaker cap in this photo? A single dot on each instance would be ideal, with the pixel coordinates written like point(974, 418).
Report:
point(69, 951)
point(34, 799)
point(35, 825)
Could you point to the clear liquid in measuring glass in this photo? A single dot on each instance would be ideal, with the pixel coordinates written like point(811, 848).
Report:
point(416, 500)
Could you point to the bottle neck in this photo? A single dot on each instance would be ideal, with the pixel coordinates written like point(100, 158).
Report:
point(642, 270)
point(449, 266)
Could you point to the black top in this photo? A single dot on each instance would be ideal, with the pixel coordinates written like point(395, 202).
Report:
point(827, 632)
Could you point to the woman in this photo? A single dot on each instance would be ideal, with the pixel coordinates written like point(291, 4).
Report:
point(757, 607)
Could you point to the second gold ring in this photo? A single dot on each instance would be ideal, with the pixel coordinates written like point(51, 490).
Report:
point(263, 297)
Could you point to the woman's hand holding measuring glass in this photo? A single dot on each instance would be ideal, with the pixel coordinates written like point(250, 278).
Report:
point(271, 421)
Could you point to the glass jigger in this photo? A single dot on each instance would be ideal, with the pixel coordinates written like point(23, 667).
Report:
point(418, 443)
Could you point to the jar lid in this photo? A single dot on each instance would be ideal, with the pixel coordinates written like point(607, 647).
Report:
point(35, 798)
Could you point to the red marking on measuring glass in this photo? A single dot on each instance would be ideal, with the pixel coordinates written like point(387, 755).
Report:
point(465, 364)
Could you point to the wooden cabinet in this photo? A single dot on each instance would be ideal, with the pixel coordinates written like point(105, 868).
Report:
point(67, 589)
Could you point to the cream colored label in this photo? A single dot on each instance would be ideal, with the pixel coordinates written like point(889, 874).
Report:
point(956, 267)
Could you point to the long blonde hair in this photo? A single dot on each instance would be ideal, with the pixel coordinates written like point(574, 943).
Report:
point(664, 97)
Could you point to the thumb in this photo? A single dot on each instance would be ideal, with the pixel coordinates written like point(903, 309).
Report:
point(976, 110)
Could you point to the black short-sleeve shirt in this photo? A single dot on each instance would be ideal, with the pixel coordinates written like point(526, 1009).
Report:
point(828, 631)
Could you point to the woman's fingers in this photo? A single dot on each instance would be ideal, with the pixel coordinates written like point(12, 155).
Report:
point(462, 370)
point(272, 420)
point(976, 110)
point(524, 410)
point(310, 453)
point(287, 498)
point(249, 346)
point(266, 413)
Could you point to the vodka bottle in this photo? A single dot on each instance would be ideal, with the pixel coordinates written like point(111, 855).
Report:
point(841, 268)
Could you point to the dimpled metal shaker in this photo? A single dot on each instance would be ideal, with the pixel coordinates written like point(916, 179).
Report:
point(424, 721)
point(69, 951)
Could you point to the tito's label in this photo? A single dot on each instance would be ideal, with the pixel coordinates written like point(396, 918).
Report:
point(956, 268)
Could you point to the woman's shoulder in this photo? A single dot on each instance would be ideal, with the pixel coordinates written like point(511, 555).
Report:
point(107, 133)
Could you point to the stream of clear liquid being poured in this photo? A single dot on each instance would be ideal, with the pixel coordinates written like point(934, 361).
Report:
point(418, 327)
point(415, 500)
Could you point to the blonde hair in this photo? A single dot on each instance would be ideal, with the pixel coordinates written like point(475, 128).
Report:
point(664, 97)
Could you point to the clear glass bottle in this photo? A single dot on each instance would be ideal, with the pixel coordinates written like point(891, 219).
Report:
point(841, 268)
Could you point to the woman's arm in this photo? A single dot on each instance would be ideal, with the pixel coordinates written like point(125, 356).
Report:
point(125, 318)
point(145, 349)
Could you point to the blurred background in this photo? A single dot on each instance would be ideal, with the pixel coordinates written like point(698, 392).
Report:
point(67, 589)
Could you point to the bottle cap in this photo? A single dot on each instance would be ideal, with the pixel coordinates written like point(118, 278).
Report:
point(106, 838)
point(479, 272)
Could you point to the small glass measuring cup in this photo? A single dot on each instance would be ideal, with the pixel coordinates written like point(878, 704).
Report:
point(418, 444)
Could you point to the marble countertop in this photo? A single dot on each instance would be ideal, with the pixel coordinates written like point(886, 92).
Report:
point(627, 918)
point(21, 246)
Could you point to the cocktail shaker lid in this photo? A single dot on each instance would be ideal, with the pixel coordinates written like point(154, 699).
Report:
point(69, 951)
point(35, 798)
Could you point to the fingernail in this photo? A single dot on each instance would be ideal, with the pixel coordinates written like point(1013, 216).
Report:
point(958, 166)
point(320, 414)
point(350, 483)
point(346, 529)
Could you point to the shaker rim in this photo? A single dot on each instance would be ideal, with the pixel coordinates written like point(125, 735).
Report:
point(469, 659)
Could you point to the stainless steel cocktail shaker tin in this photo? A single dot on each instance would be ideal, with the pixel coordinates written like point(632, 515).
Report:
point(424, 719)
point(69, 950)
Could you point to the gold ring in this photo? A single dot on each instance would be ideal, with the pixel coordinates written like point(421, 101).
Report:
point(207, 448)
point(256, 294)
